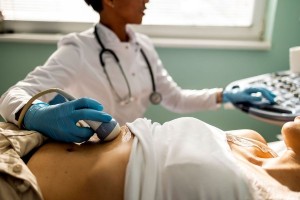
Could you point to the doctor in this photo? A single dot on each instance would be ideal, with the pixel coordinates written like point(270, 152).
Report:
point(111, 64)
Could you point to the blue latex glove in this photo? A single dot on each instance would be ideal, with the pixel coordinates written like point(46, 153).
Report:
point(59, 121)
point(57, 99)
point(238, 95)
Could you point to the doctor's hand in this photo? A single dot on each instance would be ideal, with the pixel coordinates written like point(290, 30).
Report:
point(57, 99)
point(59, 121)
point(249, 94)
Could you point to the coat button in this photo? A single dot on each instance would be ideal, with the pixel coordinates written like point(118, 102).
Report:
point(17, 168)
point(23, 187)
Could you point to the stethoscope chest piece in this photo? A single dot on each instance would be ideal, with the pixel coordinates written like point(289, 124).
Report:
point(155, 98)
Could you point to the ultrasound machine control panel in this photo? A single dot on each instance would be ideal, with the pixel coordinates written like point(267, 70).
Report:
point(286, 86)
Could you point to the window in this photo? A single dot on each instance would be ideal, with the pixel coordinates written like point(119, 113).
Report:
point(164, 19)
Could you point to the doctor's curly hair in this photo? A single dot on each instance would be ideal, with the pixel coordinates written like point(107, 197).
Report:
point(96, 4)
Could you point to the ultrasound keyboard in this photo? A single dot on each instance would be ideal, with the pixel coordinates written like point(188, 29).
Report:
point(285, 84)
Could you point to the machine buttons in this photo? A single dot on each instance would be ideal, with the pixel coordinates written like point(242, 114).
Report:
point(285, 85)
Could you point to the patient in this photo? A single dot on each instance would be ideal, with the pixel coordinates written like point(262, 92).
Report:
point(181, 159)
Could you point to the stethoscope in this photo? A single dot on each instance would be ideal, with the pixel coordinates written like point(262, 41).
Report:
point(155, 97)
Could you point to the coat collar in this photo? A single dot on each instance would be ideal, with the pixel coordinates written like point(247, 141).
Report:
point(110, 38)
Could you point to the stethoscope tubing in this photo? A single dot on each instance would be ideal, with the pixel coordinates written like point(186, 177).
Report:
point(104, 50)
point(150, 70)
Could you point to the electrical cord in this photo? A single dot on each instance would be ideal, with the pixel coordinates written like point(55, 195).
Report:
point(35, 97)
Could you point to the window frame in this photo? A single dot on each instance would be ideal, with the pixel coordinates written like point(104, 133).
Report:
point(254, 32)
point(166, 36)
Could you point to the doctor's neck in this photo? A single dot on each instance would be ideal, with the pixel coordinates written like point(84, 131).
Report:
point(118, 28)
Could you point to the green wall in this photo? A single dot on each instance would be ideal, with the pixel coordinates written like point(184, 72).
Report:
point(207, 68)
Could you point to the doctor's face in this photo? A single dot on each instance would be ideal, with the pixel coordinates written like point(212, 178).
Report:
point(130, 11)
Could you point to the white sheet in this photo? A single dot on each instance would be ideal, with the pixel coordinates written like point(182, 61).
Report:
point(182, 159)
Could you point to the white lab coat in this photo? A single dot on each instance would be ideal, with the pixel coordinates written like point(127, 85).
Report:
point(75, 68)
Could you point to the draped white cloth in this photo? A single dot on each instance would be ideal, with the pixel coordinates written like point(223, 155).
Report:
point(182, 159)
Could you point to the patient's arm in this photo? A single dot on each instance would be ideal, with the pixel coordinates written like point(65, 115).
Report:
point(248, 134)
point(291, 135)
point(285, 168)
point(86, 171)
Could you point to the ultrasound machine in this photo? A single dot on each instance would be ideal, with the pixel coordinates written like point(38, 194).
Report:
point(285, 84)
